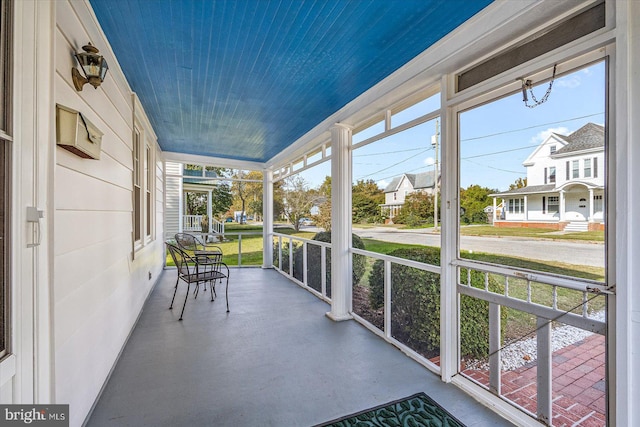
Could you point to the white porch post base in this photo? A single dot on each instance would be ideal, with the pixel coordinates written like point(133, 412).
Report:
point(267, 218)
point(341, 223)
point(338, 318)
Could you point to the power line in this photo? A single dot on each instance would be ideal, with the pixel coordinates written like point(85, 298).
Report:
point(530, 127)
point(396, 164)
point(388, 152)
point(472, 139)
point(500, 152)
point(492, 167)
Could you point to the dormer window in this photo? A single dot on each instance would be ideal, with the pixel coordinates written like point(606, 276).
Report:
point(552, 149)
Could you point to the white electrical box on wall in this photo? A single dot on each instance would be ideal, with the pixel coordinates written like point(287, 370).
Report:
point(74, 132)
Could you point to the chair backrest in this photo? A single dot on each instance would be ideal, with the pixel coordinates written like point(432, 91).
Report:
point(188, 242)
point(180, 259)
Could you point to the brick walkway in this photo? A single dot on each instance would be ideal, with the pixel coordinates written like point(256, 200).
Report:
point(578, 384)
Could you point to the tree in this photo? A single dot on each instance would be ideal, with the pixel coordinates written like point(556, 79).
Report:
point(196, 203)
point(417, 210)
point(366, 198)
point(473, 200)
point(298, 200)
point(247, 187)
point(221, 199)
point(323, 218)
point(518, 183)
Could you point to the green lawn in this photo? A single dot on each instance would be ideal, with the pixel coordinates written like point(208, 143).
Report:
point(487, 230)
point(517, 324)
point(251, 244)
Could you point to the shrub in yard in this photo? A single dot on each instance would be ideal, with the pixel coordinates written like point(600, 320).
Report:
point(314, 265)
point(415, 312)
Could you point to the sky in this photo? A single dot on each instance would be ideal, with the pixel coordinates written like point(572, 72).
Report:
point(494, 138)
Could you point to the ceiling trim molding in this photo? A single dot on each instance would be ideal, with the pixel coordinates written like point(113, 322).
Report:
point(172, 156)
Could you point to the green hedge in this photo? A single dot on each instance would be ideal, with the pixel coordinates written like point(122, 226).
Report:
point(415, 311)
point(314, 265)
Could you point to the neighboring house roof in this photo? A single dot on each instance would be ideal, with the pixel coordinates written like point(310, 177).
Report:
point(531, 189)
point(588, 137)
point(418, 181)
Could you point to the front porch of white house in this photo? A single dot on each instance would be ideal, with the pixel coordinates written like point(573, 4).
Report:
point(574, 207)
point(274, 360)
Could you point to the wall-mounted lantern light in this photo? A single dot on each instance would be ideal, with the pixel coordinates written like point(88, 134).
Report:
point(94, 67)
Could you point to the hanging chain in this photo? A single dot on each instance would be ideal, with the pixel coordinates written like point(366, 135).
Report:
point(529, 85)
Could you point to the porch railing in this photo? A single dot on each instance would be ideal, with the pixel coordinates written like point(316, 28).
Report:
point(194, 223)
point(543, 376)
point(304, 261)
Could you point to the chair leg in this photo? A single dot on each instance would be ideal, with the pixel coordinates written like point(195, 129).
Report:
point(174, 293)
point(185, 301)
point(211, 286)
point(227, 294)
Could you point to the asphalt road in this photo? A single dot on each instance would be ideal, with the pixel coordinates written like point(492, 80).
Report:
point(567, 251)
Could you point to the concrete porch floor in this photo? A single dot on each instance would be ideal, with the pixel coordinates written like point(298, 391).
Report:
point(274, 360)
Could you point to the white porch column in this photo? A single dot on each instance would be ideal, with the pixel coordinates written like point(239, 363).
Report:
point(183, 207)
point(590, 219)
point(210, 210)
point(526, 208)
point(341, 223)
point(495, 206)
point(267, 218)
point(562, 205)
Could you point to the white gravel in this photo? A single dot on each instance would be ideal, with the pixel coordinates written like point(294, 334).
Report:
point(521, 352)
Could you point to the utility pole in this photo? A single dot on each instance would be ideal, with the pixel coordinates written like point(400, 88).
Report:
point(434, 142)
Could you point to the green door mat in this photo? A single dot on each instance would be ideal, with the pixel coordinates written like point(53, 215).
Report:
point(414, 411)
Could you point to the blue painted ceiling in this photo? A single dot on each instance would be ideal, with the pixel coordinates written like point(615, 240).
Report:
point(244, 79)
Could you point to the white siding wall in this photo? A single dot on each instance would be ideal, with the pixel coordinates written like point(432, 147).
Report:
point(535, 211)
point(99, 286)
point(561, 171)
point(541, 160)
point(172, 199)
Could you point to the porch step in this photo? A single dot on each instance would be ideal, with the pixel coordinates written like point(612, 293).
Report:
point(577, 226)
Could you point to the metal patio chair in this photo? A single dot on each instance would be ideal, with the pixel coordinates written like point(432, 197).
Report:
point(190, 242)
point(198, 269)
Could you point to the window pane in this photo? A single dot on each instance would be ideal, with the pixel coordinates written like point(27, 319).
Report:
point(417, 110)
point(395, 184)
point(504, 151)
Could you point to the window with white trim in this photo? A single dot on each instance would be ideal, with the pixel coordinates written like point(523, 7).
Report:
point(149, 168)
point(575, 169)
point(516, 206)
point(553, 204)
point(137, 189)
point(598, 203)
point(143, 188)
point(587, 168)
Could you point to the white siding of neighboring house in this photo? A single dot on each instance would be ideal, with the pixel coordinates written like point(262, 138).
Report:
point(540, 159)
point(99, 287)
point(403, 186)
point(173, 198)
point(562, 168)
point(404, 189)
point(535, 213)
